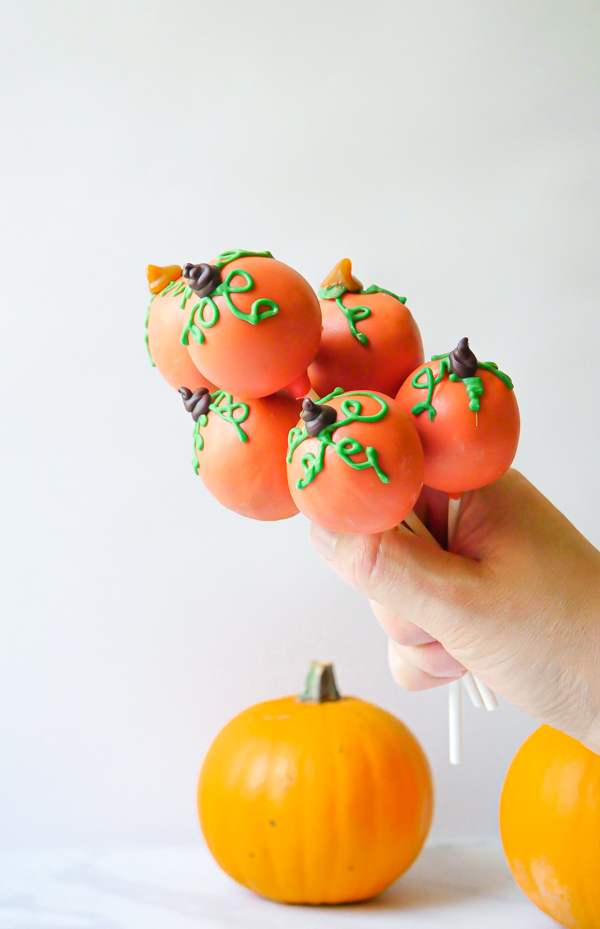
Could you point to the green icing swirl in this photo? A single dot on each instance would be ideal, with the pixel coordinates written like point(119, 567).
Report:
point(253, 317)
point(233, 254)
point(345, 447)
point(224, 289)
point(223, 405)
point(473, 385)
point(354, 314)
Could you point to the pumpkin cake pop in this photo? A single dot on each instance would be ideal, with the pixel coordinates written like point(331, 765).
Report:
point(240, 448)
point(355, 462)
point(468, 421)
point(164, 324)
point(370, 339)
point(253, 324)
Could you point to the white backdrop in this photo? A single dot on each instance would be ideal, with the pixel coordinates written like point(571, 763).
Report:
point(452, 150)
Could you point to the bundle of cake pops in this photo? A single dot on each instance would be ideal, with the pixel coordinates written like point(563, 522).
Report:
point(322, 403)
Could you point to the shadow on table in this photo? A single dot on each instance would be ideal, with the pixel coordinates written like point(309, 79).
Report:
point(438, 879)
point(441, 877)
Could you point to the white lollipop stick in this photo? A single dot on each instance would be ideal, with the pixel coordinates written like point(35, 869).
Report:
point(415, 525)
point(488, 696)
point(473, 688)
point(455, 727)
point(453, 511)
point(490, 701)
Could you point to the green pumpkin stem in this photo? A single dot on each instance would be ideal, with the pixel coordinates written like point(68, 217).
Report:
point(320, 686)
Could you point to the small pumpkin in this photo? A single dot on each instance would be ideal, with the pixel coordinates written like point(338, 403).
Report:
point(469, 426)
point(254, 327)
point(317, 798)
point(370, 339)
point(240, 448)
point(550, 827)
point(363, 471)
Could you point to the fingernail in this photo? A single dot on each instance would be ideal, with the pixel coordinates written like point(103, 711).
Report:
point(451, 673)
point(323, 540)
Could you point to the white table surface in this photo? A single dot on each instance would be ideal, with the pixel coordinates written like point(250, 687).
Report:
point(180, 888)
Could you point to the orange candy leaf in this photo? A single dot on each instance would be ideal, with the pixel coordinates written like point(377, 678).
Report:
point(342, 275)
point(158, 278)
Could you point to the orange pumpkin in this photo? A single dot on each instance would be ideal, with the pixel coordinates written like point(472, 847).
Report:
point(255, 327)
point(315, 799)
point(370, 339)
point(239, 452)
point(469, 426)
point(165, 320)
point(550, 827)
point(361, 473)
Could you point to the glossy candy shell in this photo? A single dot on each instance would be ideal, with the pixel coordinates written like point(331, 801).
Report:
point(464, 450)
point(393, 350)
point(258, 360)
point(345, 500)
point(250, 477)
point(165, 324)
point(550, 827)
point(315, 802)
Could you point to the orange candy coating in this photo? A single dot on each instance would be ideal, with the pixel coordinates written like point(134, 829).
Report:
point(346, 500)
point(250, 477)
point(393, 350)
point(166, 320)
point(463, 449)
point(258, 360)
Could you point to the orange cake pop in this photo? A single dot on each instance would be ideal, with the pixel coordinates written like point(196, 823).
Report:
point(253, 324)
point(165, 320)
point(240, 447)
point(468, 422)
point(355, 463)
point(370, 339)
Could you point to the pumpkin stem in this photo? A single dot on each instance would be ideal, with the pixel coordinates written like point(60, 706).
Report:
point(320, 686)
point(342, 276)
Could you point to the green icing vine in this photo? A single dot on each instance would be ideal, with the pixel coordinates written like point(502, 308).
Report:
point(177, 288)
point(223, 405)
point(226, 257)
point(354, 314)
point(146, 331)
point(373, 289)
point(473, 385)
point(331, 293)
point(225, 289)
point(345, 447)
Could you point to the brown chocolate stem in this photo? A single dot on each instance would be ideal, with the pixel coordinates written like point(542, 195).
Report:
point(317, 416)
point(203, 279)
point(463, 362)
point(196, 403)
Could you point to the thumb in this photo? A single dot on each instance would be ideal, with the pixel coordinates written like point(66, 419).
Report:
point(419, 581)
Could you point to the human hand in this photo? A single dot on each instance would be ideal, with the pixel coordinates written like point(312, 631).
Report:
point(517, 602)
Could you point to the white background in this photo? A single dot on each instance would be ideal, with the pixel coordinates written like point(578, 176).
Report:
point(452, 150)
